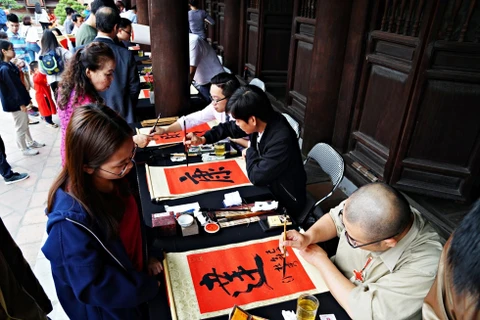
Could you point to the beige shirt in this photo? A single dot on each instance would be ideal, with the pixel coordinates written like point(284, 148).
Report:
point(395, 281)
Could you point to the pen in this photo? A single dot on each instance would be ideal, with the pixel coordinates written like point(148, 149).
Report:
point(156, 122)
point(185, 132)
point(284, 249)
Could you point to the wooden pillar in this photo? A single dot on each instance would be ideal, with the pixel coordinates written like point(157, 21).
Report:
point(170, 56)
point(231, 34)
point(331, 31)
point(142, 12)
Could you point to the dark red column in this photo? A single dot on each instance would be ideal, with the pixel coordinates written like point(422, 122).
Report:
point(142, 11)
point(170, 56)
point(331, 31)
point(231, 34)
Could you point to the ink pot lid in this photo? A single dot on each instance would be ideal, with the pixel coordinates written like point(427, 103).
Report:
point(211, 227)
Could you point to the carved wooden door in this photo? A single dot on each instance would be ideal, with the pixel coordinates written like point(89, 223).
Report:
point(416, 118)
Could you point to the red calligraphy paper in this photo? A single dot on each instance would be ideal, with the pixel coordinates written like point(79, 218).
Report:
point(176, 137)
point(205, 176)
point(251, 273)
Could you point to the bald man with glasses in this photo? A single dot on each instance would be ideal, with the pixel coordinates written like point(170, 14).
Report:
point(387, 255)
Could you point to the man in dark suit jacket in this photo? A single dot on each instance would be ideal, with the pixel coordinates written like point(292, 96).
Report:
point(122, 95)
point(273, 157)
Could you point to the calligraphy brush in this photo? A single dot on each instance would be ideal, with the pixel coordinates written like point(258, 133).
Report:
point(284, 249)
point(185, 133)
point(156, 123)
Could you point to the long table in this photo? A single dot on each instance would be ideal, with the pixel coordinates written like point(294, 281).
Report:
point(159, 308)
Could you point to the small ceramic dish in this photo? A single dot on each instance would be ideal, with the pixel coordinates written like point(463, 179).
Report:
point(211, 227)
point(185, 220)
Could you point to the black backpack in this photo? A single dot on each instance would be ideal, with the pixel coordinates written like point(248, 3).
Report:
point(51, 62)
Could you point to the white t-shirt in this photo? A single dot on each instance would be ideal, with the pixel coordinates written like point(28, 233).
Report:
point(204, 58)
point(30, 33)
point(205, 115)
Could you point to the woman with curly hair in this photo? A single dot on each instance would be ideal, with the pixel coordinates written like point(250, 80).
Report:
point(89, 72)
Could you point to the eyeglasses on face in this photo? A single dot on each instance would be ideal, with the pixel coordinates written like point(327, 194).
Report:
point(129, 33)
point(134, 151)
point(354, 243)
point(217, 100)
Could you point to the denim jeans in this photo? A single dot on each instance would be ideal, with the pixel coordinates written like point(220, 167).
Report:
point(31, 49)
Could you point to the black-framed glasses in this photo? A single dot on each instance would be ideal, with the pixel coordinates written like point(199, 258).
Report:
point(129, 33)
point(134, 151)
point(354, 243)
point(217, 100)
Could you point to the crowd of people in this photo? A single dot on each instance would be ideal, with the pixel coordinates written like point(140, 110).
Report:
point(388, 256)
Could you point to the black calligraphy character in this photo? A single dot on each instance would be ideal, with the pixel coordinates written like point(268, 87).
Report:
point(273, 250)
point(209, 279)
point(210, 175)
point(170, 135)
point(287, 279)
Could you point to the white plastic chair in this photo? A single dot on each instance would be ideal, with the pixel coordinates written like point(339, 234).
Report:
point(293, 123)
point(259, 83)
point(332, 164)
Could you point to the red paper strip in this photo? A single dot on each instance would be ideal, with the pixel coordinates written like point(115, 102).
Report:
point(251, 273)
point(203, 176)
point(176, 137)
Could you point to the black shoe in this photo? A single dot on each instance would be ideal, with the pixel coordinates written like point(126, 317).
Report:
point(16, 177)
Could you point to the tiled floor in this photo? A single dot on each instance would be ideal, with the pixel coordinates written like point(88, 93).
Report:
point(22, 205)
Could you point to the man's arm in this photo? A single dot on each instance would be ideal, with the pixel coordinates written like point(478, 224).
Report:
point(193, 69)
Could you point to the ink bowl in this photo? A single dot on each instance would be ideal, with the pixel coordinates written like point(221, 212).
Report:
point(185, 220)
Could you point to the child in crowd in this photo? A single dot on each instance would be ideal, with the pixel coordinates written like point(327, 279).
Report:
point(43, 95)
point(90, 72)
point(94, 228)
point(15, 98)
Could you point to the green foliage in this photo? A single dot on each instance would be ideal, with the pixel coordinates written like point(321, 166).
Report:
point(10, 4)
point(60, 9)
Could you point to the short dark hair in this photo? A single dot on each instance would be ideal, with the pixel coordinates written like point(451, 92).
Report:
point(4, 45)
point(134, 8)
point(97, 4)
point(227, 82)
point(106, 19)
point(120, 4)
point(3, 35)
point(193, 3)
point(12, 17)
point(464, 255)
point(75, 16)
point(69, 11)
point(250, 101)
point(124, 22)
point(27, 21)
point(33, 65)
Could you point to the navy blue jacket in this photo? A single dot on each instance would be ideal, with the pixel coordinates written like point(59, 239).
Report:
point(94, 278)
point(13, 93)
point(122, 96)
point(275, 162)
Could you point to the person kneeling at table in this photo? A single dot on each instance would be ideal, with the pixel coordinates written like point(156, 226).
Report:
point(390, 275)
point(223, 86)
point(273, 158)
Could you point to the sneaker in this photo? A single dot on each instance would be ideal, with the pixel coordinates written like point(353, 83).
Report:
point(35, 144)
point(16, 177)
point(32, 121)
point(52, 125)
point(30, 152)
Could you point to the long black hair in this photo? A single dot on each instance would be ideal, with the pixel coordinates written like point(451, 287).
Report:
point(49, 42)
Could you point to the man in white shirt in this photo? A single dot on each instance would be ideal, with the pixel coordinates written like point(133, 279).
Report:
point(130, 14)
point(77, 20)
point(204, 64)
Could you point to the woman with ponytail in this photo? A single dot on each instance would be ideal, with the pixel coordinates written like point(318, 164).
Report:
point(89, 72)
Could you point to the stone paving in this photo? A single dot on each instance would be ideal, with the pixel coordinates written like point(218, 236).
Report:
point(22, 204)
